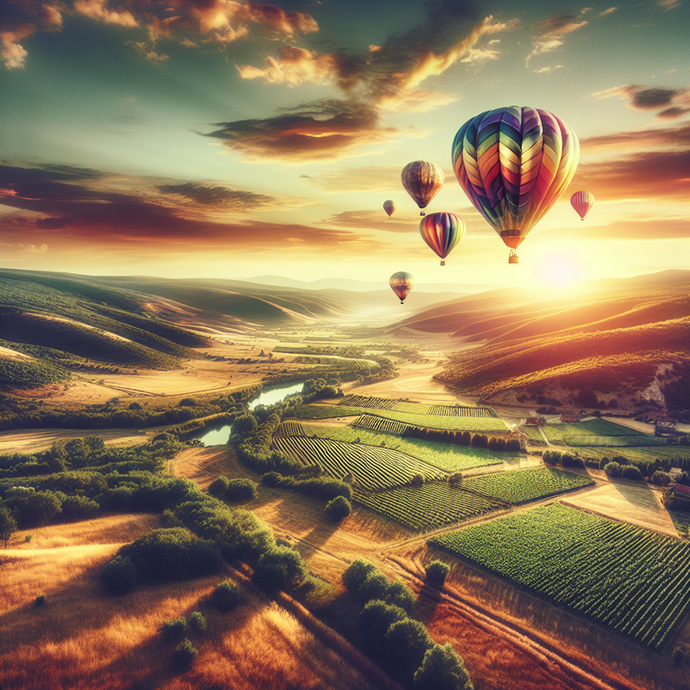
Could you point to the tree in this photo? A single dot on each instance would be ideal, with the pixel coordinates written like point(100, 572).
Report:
point(119, 576)
point(374, 621)
point(405, 645)
point(184, 655)
point(436, 572)
point(442, 669)
point(356, 573)
point(338, 509)
point(8, 525)
point(225, 596)
point(279, 568)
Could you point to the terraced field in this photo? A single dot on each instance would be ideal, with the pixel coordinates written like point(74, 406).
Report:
point(522, 486)
point(372, 467)
point(427, 507)
point(632, 579)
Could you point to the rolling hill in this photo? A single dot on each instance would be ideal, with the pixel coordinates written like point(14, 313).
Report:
point(612, 343)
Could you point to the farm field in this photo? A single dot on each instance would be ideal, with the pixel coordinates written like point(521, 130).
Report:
point(427, 507)
point(445, 456)
point(637, 504)
point(521, 486)
point(367, 402)
point(633, 580)
point(372, 467)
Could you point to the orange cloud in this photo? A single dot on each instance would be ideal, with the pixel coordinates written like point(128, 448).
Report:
point(638, 140)
point(20, 19)
point(314, 131)
point(294, 66)
point(552, 30)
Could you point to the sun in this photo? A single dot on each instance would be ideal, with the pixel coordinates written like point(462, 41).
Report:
point(559, 268)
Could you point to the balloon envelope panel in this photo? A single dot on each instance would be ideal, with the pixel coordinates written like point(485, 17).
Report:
point(514, 163)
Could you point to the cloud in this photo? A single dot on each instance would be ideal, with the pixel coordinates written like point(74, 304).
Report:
point(638, 140)
point(20, 20)
point(671, 103)
point(20, 247)
point(217, 197)
point(93, 213)
point(659, 229)
point(321, 130)
point(669, 4)
point(547, 70)
point(551, 32)
point(187, 22)
point(388, 75)
point(649, 175)
point(605, 13)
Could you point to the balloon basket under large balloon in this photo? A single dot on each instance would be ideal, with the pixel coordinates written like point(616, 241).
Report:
point(402, 302)
point(421, 213)
point(443, 263)
point(513, 258)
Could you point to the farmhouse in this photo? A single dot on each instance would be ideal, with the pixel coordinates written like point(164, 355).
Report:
point(663, 425)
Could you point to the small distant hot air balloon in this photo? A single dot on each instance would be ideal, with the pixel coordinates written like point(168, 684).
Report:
point(582, 202)
point(401, 283)
point(442, 231)
point(422, 181)
point(389, 207)
point(514, 163)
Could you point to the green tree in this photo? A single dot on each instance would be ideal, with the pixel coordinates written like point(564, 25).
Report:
point(374, 621)
point(436, 572)
point(405, 645)
point(8, 525)
point(442, 669)
point(338, 508)
point(279, 568)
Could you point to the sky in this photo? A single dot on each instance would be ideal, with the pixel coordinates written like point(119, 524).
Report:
point(222, 139)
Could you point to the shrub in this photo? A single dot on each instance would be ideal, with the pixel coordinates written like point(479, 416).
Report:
point(661, 478)
point(184, 655)
point(187, 402)
point(375, 586)
point(40, 600)
point(240, 490)
point(279, 568)
point(551, 457)
point(613, 469)
point(79, 508)
point(8, 525)
point(442, 669)
point(119, 576)
point(355, 574)
point(172, 554)
point(218, 486)
point(174, 628)
point(225, 596)
point(417, 479)
point(198, 621)
point(338, 508)
point(399, 594)
point(405, 645)
point(677, 655)
point(632, 472)
point(436, 572)
point(374, 621)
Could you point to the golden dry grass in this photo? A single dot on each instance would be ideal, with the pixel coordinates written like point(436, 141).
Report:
point(83, 639)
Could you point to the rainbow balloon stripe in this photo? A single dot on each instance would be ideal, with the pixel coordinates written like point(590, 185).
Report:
point(514, 163)
point(582, 202)
point(442, 231)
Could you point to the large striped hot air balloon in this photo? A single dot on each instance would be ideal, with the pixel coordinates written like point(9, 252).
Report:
point(442, 231)
point(582, 202)
point(422, 181)
point(514, 163)
point(401, 283)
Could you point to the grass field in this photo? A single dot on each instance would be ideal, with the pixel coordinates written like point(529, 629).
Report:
point(521, 486)
point(445, 456)
point(427, 507)
point(372, 467)
point(631, 579)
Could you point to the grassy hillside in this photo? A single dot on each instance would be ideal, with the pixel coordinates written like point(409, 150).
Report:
point(615, 343)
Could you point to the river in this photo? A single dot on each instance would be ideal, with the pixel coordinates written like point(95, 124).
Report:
point(220, 435)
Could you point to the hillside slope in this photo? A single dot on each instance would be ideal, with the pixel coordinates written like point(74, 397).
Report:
point(616, 343)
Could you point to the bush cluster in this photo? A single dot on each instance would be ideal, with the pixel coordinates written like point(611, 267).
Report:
point(240, 489)
point(324, 488)
point(464, 438)
point(400, 643)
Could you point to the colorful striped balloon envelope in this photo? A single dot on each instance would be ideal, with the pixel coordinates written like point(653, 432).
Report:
point(442, 231)
point(514, 164)
point(582, 202)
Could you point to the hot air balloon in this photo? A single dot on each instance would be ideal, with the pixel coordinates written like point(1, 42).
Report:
point(401, 283)
point(514, 163)
point(442, 231)
point(422, 181)
point(582, 202)
point(389, 207)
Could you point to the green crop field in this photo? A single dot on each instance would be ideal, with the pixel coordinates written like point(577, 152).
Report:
point(325, 411)
point(373, 403)
point(593, 441)
point(632, 579)
point(521, 486)
point(427, 507)
point(481, 424)
point(372, 467)
point(367, 402)
point(602, 427)
point(533, 434)
point(445, 456)
point(289, 428)
point(386, 426)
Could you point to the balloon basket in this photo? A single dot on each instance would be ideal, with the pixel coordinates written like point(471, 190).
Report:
point(513, 258)
point(421, 213)
point(443, 263)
